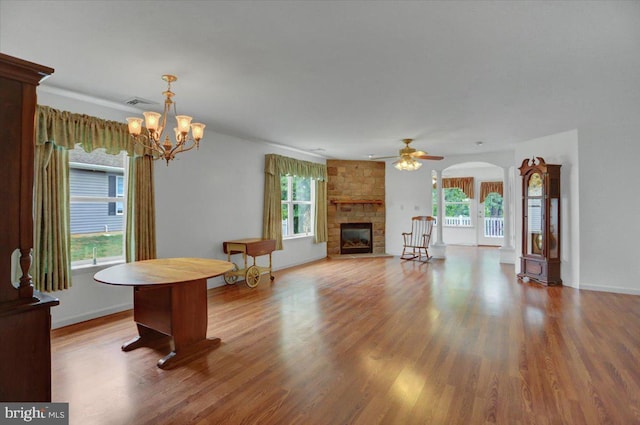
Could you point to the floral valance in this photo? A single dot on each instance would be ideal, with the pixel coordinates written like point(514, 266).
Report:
point(282, 165)
point(489, 187)
point(463, 183)
point(66, 129)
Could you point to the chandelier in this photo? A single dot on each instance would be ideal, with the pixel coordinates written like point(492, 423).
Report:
point(155, 124)
point(407, 163)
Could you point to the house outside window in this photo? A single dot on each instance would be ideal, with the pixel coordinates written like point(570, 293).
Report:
point(97, 206)
point(298, 194)
point(116, 189)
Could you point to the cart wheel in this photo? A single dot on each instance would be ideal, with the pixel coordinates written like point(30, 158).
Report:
point(231, 278)
point(252, 277)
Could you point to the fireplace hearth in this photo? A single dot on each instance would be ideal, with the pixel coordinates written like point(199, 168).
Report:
point(356, 238)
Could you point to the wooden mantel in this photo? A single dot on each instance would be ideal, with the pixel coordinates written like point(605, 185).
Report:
point(357, 201)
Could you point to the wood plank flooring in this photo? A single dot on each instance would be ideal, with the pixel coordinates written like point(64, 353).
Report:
point(372, 341)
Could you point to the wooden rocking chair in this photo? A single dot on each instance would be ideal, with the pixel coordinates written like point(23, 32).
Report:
point(418, 239)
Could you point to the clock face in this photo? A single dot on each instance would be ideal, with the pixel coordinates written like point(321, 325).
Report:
point(534, 187)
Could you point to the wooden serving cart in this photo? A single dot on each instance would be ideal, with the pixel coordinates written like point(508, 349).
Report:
point(253, 247)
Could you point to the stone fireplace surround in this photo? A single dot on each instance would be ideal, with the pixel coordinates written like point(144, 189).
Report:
point(355, 194)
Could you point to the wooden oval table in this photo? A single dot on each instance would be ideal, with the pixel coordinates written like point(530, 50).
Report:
point(169, 298)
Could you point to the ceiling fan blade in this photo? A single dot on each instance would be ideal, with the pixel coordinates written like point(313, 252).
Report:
point(383, 157)
point(431, 157)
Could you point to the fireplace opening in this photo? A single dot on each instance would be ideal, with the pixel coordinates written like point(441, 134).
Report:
point(356, 238)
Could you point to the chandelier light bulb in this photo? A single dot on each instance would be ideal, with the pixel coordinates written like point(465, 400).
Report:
point(184, 122)
point(197, 130)
point(151, 120)
point(135, 125)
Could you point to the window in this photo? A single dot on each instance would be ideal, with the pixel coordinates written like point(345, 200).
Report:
point(457, 204)
point(493, 216)
point(116, 190)
point(97, 208)
point(298, 194)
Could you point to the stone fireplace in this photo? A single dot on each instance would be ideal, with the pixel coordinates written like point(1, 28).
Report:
point(356, 195)
point(356, 238)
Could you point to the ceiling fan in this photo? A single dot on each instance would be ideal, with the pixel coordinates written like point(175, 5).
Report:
point(408, 157)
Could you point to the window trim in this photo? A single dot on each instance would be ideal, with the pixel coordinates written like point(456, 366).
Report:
point(120, 205)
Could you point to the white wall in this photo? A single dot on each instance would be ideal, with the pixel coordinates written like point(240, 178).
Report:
point(609, 203)
point(215, 195)
point(202, 199)
point(561, 148)
point(408, 193)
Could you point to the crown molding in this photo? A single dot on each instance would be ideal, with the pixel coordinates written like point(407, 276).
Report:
point(86, 98)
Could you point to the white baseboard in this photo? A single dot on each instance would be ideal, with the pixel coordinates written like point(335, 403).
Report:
point(299, 263)
point(612, 289)
point(90, 315)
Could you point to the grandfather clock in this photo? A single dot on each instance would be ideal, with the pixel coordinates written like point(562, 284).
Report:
point(540, 260)
point(25, 319)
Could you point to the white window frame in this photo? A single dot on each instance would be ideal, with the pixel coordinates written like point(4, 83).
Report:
point(120, 194)
point(466, 202)
point(290, 204)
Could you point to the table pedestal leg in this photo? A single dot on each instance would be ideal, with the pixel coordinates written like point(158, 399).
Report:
point(178, 310)
point(144, 339)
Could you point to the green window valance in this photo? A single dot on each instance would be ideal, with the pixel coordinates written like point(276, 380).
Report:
point(66, 129)
point(285, 166)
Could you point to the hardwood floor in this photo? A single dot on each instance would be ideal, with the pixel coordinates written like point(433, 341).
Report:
point(372, 341)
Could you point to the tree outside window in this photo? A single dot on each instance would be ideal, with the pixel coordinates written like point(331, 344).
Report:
point(297, 205)
point(457, 207)
point(493, 205)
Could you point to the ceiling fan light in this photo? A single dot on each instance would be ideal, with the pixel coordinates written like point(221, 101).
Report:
point(407, 164)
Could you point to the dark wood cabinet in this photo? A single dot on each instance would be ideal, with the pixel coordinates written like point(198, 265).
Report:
point(540, 260)
point(25, 319)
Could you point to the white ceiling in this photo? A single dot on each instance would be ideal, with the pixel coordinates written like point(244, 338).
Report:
point(349, 77)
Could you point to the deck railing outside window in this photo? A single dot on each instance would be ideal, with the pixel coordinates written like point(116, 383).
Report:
point(459, 221)
point(493, 226)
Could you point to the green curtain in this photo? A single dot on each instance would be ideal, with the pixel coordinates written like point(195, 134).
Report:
point(321, 231)
point(141, 217)
point(272, 212)
point(276, 166)
point(52, 254)
point(56, 132)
